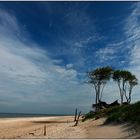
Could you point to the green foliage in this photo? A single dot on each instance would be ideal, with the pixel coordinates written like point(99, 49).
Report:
point(124, 113)
point(126, 81)
point(118, 114)
point(133, 81)
point(100, 74)
point(89, 115)
point(98, 78)
point(125, 76)
point(93, 115)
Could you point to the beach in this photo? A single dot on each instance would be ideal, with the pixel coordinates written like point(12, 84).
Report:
point(61, 127)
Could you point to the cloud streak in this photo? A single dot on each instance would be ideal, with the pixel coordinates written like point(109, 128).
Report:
point(48, 79)
point(29, 76)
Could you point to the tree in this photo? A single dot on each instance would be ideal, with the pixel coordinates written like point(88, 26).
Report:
point(117, 77)
point(98, 78)
point(132, 81)
point(126, 81)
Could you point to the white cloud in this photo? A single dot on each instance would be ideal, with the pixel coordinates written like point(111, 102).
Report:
point(117, 44)
point(84, 43)
point(132, 34)
point(132, 28)
point(8, 23)
point(30, 77)
point(19, 67)
point(129, 47)
point(105, 54)
point(69, 66)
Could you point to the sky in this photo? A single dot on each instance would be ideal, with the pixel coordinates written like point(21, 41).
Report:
point(46, 48)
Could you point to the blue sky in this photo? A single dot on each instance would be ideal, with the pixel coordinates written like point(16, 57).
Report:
point(46, 48)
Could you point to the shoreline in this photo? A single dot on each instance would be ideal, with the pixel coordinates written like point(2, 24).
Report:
point(30, 117)
point(60, 127)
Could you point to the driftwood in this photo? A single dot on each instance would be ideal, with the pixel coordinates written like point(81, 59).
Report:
point(77, 120)
point(31, 133)
point(75, 115)
point(100, 105)
point(45, 130)
point(115, 103)
point(103, 104)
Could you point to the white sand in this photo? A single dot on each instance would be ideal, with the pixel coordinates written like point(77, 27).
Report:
point(60, 127)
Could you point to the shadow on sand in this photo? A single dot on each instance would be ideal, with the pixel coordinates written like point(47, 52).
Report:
point(56, 121)
point(131, 129)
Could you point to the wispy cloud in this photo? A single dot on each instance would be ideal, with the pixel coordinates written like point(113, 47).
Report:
point(132, 32)
point(123, 52)
point(77, 34)
point(39, 80)
point(129, 47)
point(85, 43)
point(29, 76)
point(105, 54)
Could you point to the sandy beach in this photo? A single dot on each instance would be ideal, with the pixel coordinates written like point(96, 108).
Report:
point(62, 127)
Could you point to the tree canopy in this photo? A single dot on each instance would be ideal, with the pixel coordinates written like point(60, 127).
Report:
point(125, 80)
point(98, 78)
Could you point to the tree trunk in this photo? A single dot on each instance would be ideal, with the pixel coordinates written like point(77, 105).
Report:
point(127, 99)
point(130, 91)
point(96, 101)
point(98, 93)
point(121, 98)
point(121, 95)
point(101, 92)
point(98, 98)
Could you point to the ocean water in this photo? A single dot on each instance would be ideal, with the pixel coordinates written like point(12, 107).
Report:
point(20, 115)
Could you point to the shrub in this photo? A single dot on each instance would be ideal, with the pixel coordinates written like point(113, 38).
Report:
point(118, 114)
point(124, 113)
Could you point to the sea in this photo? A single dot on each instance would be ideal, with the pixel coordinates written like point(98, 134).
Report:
point(23, 115)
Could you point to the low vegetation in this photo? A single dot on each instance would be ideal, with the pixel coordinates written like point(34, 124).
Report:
point(125, 113)
point(114, 112)
point(118, 114)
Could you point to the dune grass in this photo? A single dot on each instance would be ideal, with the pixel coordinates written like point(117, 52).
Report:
point(118, 114)
point(124, 113)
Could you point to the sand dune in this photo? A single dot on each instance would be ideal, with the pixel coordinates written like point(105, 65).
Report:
point(61, 127)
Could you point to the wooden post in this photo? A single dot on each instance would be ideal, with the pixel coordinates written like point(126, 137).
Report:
point(44, 129)
point(77, 119)
point(75, 115)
